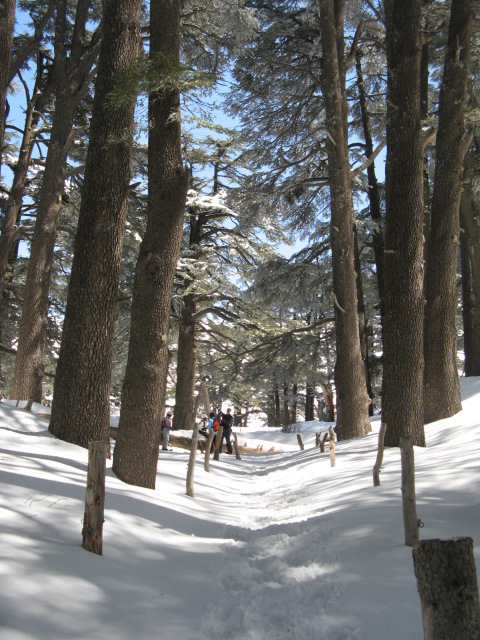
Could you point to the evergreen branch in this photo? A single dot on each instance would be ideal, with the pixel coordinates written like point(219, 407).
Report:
point(369, 160)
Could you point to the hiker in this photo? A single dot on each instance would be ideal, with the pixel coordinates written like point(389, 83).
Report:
point(215, 422)
point(166, 428)
point(204, 425)
point(227, 423)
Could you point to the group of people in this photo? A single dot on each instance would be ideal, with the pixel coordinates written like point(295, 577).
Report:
point(217, 418)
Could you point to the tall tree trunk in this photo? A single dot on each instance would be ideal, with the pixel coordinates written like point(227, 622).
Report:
point(7, 24)
point(35, 106)
point(362, 319)
point(404, 308)
point(70, 77)
point(81, 399)
point(424, 89)
point(328, 397)
point(441, 386)
point(309, 402)
point(278, 416)
point(143, 394)
point(286, 411)
point(373, 190)
point(185, 390)
point(470, 259)
point(352, 398)
point(271, 410)
point(294, 403)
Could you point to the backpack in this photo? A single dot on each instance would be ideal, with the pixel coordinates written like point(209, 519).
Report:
point(163, 424)
point(216, 424)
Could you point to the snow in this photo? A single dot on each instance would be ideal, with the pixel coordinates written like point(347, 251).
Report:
point(273, 546)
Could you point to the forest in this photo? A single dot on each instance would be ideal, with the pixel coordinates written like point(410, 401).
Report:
point(270, 203)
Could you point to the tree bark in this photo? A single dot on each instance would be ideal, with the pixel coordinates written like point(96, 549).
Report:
point(7, 24)
point(186, 361)
point(70, 77)
point(404, 308)
point(81, 398)
point(448, 588)
point(352, 398)
point(144, 387)
point(441, 386)
point(470, 261)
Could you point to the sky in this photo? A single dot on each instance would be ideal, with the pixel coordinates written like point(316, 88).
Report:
point(274, 546)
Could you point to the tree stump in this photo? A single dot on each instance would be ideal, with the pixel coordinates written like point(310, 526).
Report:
point(448, 588)
point(300, 442)
point(92, 531)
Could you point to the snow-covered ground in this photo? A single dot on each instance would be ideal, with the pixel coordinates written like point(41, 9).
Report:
point(273, 547)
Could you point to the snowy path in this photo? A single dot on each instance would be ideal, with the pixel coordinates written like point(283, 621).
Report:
point(278, 579)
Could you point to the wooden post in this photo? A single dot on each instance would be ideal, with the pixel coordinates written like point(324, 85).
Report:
point(322, 442)
point(235, 446)
point(300, 443)
point(378, 463)
point(331, 443)
point(206, 464)
point(448, 588)
point(410, 521)
point(317, 439)
point(95, 498)
point(218, 441)
point(191, 461)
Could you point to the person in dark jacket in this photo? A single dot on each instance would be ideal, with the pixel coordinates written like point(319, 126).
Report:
point(227, 424)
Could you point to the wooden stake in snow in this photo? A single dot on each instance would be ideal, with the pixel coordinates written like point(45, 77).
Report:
point(206, 464)
point(235, 446)
point(378, 463)
point(191, 461)
point(300, 443)
point(317, 439)
point(218, 440)
point(332, 446)
point(410, 521)
point(95, 498)
point(448, 588)
point(322, 442)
